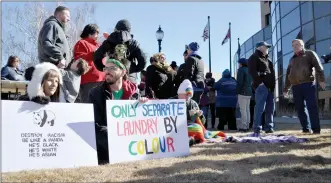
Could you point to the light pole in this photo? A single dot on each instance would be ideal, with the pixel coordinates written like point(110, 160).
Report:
point(159, 36)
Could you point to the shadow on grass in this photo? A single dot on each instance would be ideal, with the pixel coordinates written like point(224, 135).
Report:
point(254, 169)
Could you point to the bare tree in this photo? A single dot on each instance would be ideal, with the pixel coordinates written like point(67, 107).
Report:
point(24, 24)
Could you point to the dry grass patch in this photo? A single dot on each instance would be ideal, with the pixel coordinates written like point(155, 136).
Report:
point(226, 162)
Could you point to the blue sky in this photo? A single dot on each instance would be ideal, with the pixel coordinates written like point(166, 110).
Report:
point(182, 23)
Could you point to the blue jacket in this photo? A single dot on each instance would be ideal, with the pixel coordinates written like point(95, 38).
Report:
point(226, 92)
point(244, 82)
point(10, 73)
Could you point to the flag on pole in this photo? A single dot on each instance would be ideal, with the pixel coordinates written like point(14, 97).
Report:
point(239, 50)
point(206, 32)
point(227, 37)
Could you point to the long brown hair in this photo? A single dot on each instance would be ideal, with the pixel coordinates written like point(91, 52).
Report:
point(11, 60)
point(52, 73)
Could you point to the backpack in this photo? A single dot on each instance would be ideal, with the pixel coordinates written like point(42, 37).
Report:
point(119, 52)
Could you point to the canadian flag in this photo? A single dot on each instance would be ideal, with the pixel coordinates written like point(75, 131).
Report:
point(227, 37)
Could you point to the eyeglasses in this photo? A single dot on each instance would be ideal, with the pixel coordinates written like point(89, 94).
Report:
point(111, 68)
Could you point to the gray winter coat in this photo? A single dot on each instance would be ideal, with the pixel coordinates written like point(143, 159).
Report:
point(53, 45)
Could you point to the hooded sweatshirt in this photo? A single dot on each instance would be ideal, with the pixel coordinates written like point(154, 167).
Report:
point(34, 86)
point(53, 45)
point(135, 56)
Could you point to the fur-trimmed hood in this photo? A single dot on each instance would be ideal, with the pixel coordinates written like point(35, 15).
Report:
point(41, 69)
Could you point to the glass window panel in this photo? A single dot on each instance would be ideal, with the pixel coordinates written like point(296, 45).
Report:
point(308, 33)
point(249, 44)
point(274, 59)
point(242, 50)
point(286, 61)
point(277, 13)
point(287, 41)
point(258, 37)
point(310, 47)
point(327, 73)
point(306, 12)
point(290, 21)
point(274, 37)
point(323, 48)
point(323, 28)
point(249, 53)
point(272, 6)
point(267, 32)
point(273, 21)
point(279, 47)
point(322, 8)
point(286, 7)
point(278, 31)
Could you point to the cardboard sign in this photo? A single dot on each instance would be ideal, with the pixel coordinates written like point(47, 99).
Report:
point(57, 135)
point(157, 129)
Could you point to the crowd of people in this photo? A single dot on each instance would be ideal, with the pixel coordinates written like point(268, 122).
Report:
point(94, 73)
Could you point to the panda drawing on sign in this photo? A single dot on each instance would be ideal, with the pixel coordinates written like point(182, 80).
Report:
point(42, 117)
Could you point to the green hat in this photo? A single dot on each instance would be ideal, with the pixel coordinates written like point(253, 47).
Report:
point(116, 62)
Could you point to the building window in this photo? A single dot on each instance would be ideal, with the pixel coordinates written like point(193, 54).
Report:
point(290, 21)
point(274, 49)
point(323, 48)
point(278, 31)
point(322, 8)
point(286, 61)
point(308, 33)
point(249, 43)
point(287, 6)
point(258, 37)
point(323, 28)
point(249, 53)
point(267, 19)
point(267, 32)
point(287, 40)
point(306, 12)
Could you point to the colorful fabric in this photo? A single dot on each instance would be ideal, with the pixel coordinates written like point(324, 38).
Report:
point(198, 131)
point(118, 94)
point(269, 139)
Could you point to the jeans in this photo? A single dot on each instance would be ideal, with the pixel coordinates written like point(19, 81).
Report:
point(305, 94)
point(264, 102)
point(244, 102)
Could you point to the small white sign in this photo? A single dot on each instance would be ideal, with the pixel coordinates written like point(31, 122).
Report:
point(57, 135)
point(156, 129)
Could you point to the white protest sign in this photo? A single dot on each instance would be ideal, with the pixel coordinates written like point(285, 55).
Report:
point(156, 129)
point(57, 135)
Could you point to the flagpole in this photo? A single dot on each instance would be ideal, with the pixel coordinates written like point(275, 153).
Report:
point(209, 44)
point(230, 48)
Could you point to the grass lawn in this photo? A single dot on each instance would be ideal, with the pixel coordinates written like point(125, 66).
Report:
point(309, 162)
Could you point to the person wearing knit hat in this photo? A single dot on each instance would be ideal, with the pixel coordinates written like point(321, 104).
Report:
point(122, 37)
point(226, 101)
point(193, 70)
point(114, 87)
point(244, 92)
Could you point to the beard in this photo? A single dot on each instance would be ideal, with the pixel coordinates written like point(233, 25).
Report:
point(113, 80)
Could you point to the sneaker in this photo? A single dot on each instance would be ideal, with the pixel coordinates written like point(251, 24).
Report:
point(307, 131)
point(269, 131)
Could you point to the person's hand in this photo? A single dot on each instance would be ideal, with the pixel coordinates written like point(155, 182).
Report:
point(74, 65)
point(200, 112)
point(143, 100)
point(61, 64)
point(322, 85)
point(285, 94)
